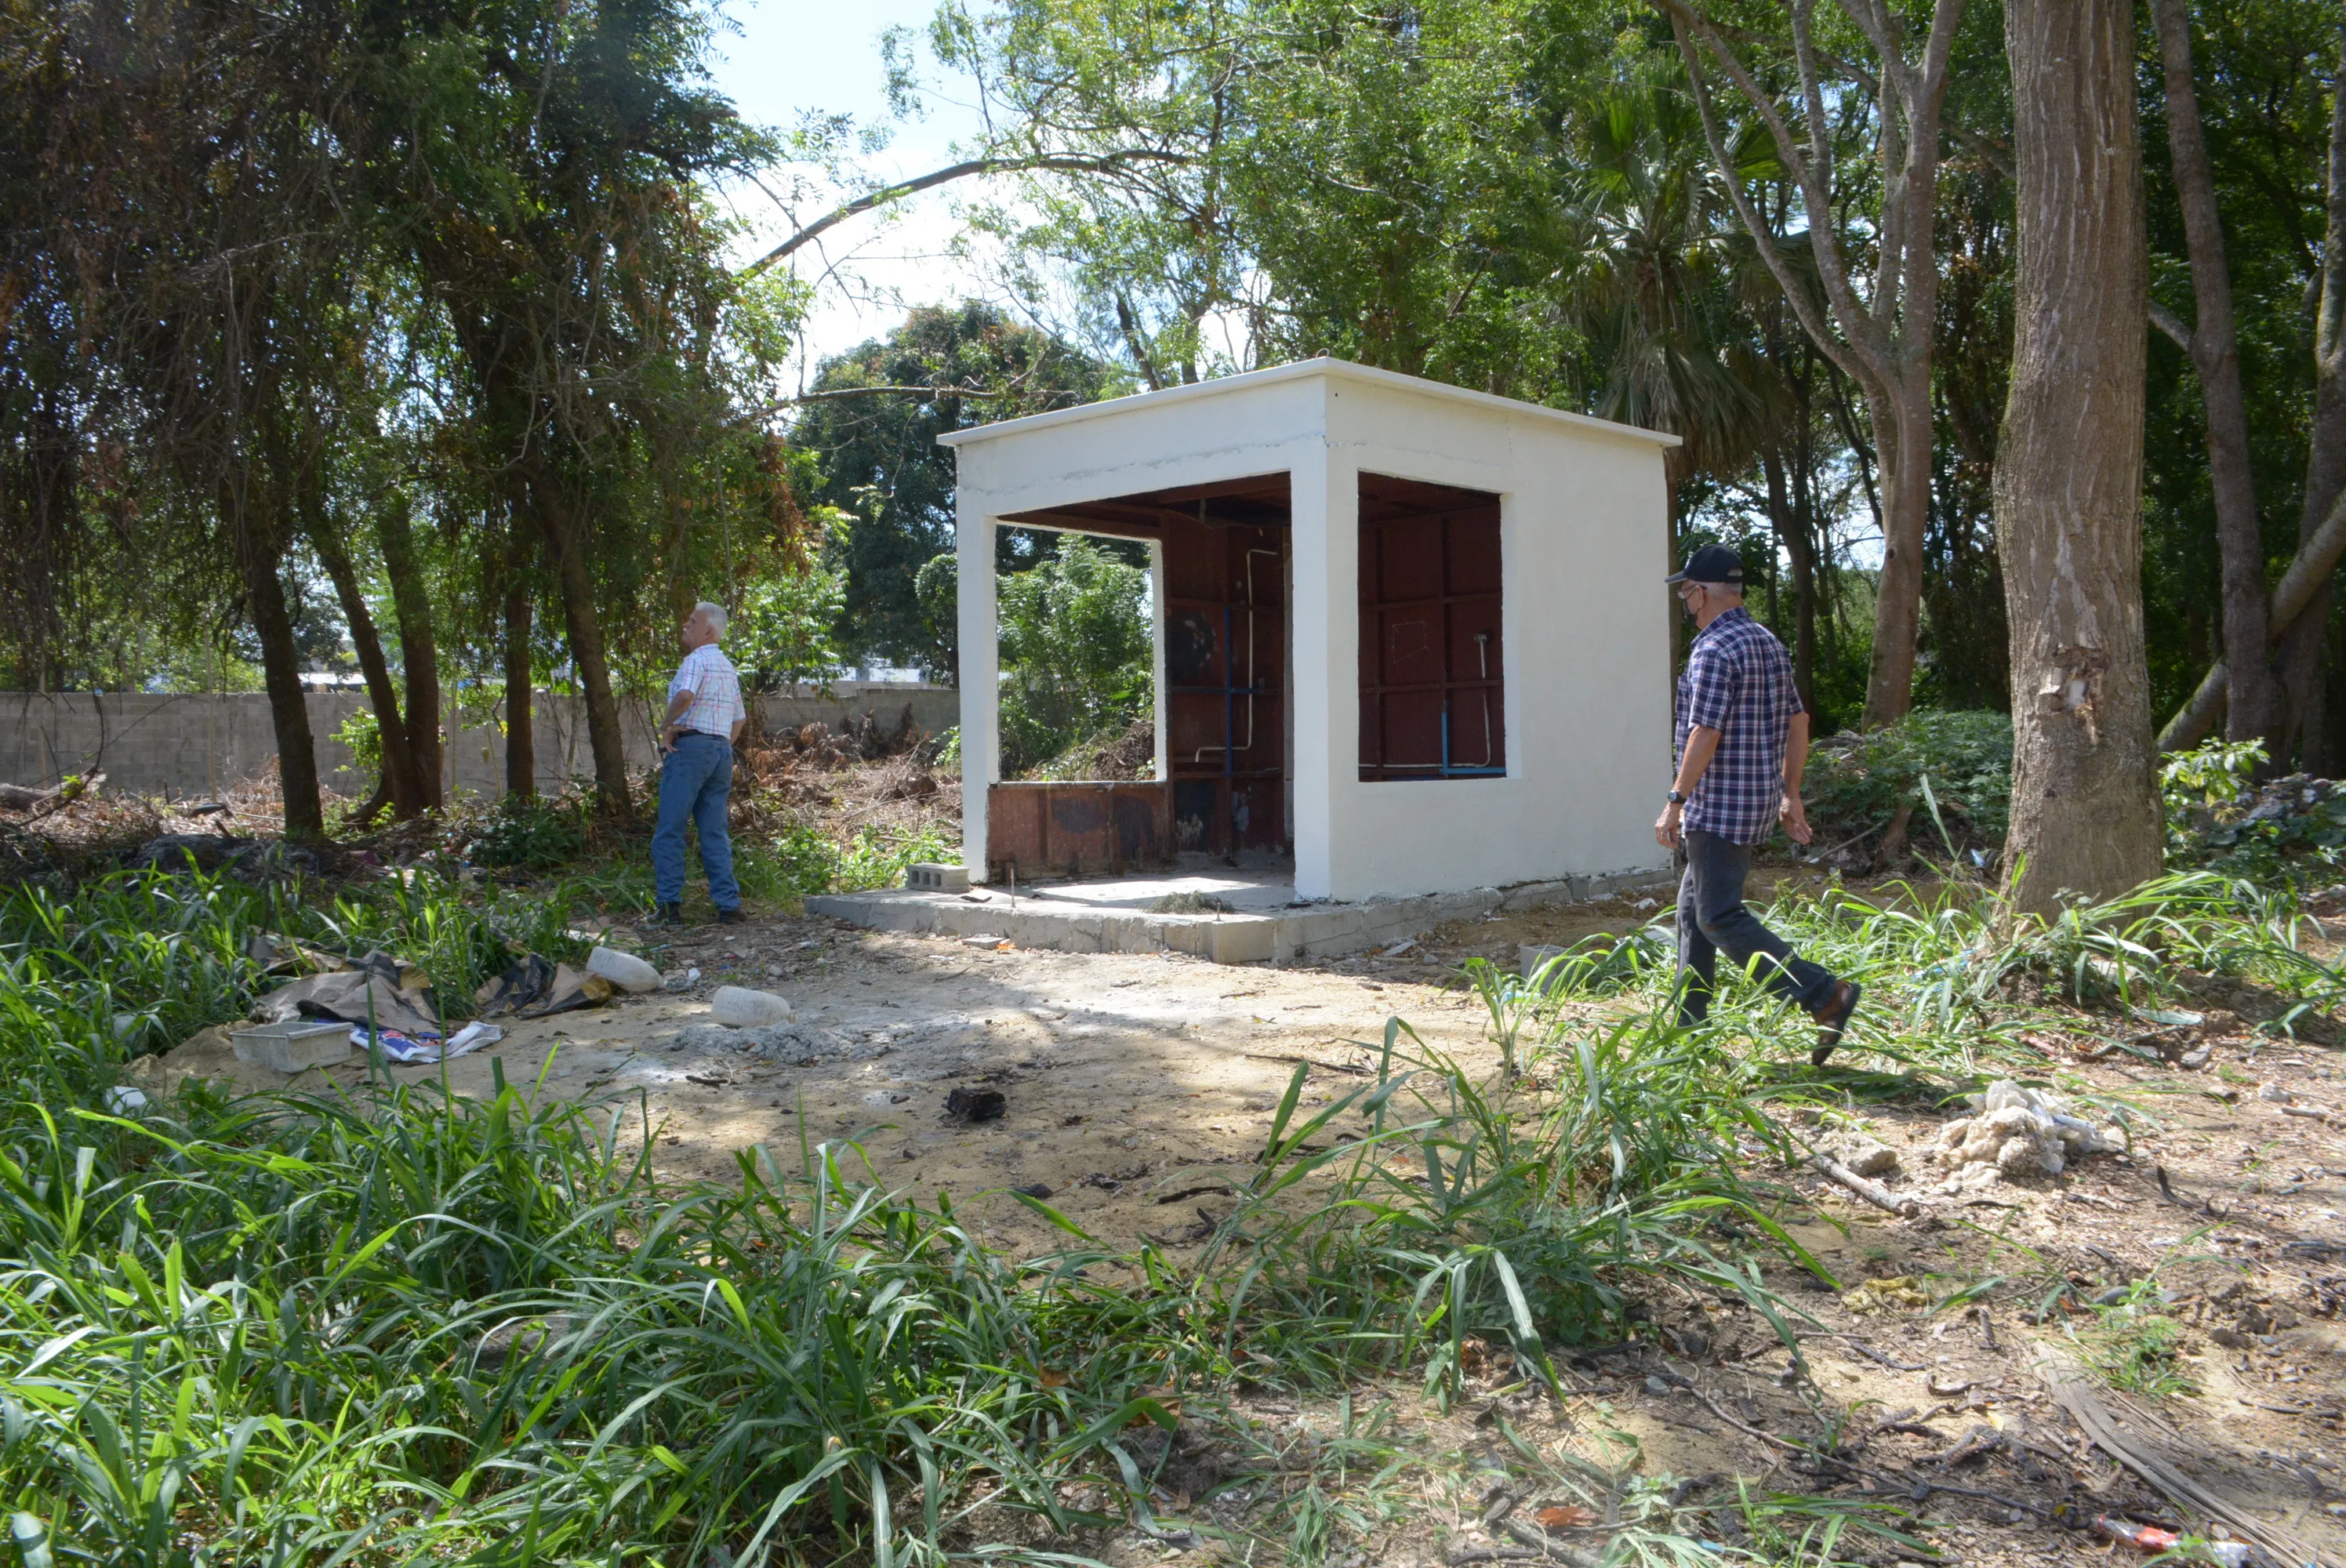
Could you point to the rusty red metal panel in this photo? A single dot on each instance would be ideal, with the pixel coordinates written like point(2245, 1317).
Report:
point(1013, 827)
point(1433, 679)
point(1078, 828)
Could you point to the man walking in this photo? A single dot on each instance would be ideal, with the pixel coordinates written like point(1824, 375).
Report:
point(1742, 742)
point(704, 719)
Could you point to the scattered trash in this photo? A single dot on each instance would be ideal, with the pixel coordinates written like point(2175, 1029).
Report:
point(1034, 1189)
point(983, 939)
point(1397, 949)
point(378, 989)
point(124, 1100)
point(526, 980)
point(624, 970)
point(2144, 1538)
point(972, 1106)
point(737, 1007)
point(293, 1045)
point(407, 1050)
point(691, 977)
point(2020, 1133)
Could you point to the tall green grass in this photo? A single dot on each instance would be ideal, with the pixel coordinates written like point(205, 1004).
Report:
point(401, 1325)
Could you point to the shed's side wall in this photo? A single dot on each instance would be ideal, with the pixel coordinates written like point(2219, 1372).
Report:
point(1584, 540)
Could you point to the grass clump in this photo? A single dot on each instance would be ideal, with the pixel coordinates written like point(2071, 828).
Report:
point(2136, 1347)
point(402, 1324)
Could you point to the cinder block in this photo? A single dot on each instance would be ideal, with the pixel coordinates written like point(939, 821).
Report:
point(929, 877)
point(1535, 955)
point(295, 1046)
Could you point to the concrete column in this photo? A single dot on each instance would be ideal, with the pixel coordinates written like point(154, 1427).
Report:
point(981, 681)
point(1323, 545)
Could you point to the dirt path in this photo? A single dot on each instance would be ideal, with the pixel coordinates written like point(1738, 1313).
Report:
point(1128, 1079)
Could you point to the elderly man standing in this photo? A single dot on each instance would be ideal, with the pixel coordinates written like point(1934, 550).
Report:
point(1742, 742)
point(705, 717)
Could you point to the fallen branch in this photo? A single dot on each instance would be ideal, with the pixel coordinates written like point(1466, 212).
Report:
point(63, 796)
point(1878, 1359)
point(2072, 1393)
point(1916, 1487)
point(1866, 1187)
point(1354, 1068)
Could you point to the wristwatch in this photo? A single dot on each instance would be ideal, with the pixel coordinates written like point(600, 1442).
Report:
point(1676, 799)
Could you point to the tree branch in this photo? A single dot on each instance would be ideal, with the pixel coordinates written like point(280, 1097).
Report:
point(2306, 576)
point(1063, 162)
point(2167, 321)
point(1858, 358)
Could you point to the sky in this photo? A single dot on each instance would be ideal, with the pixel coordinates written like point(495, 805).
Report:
point(791, 57)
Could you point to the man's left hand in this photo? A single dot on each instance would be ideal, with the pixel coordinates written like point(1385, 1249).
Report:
point(1666, 831)
point(1796, 818)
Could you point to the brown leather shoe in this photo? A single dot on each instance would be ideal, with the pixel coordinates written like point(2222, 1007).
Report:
point(1833, 1018)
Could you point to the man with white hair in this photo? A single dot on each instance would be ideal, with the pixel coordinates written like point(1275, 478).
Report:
point(705, 717)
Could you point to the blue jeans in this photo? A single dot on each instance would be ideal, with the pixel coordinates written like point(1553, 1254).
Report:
point(696, 779)
point(1713, 919)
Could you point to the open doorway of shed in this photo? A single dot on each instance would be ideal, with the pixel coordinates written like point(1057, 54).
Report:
point(1221, 592)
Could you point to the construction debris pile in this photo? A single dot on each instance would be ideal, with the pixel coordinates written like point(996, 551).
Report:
point(2018, 1132)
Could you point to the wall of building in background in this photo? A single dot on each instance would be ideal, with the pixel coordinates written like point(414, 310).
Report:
point(196, 744)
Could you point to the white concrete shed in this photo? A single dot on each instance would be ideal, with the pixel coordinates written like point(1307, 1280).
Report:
point(1412, 638)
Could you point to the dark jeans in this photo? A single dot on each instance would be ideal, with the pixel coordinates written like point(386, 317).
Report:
point(695, 782)
point(1712, 920)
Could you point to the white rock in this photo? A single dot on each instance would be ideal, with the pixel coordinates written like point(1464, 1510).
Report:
point(125, 1099)
point(1868, 1156)
point(737, 1007)
point(624, 970)
point(2274, 1093)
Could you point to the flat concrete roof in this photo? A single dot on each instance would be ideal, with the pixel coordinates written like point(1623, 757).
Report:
point(1298, 370)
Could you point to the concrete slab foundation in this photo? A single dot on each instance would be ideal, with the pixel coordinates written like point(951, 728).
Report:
point(1264, 922)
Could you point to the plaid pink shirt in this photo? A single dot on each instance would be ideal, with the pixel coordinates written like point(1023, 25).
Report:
point(716, 688)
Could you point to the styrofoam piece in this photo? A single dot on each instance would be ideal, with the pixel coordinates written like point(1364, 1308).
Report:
point(293, 1046)
point(737, 1007)
point(623, 970)
point(128, 1100)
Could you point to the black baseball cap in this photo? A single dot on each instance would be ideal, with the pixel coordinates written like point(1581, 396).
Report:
point(1711, 564)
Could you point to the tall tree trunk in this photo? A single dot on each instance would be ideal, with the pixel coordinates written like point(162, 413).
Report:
point(397, 783)
point(2306, 728)
point(419, 651)
point(2068, 474)
point(2250, 695)
point(586, 629)
point(258, 555)
point(521, 743)
point(1793, 532)
point(1902, 435)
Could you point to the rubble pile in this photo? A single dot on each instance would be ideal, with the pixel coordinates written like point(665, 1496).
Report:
point(2018, 1132)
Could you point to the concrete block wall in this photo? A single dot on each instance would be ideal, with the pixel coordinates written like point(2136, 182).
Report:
point(194, 745)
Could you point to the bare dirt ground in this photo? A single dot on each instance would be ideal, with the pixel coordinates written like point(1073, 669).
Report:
point(1138, 1087)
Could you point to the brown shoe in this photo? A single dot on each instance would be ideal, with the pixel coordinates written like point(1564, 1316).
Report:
point(1833, 1018)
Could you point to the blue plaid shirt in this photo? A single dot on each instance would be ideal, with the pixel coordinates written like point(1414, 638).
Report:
point(1738, 681)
